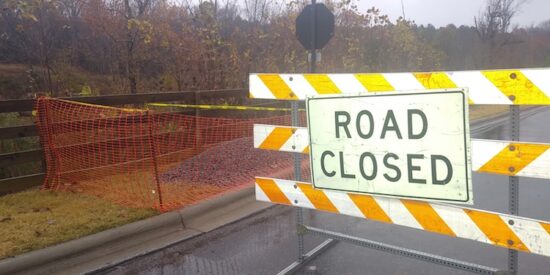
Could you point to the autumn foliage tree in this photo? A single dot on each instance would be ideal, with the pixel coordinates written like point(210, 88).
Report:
point(79, 47)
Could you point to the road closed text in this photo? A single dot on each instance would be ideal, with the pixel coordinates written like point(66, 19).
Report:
point(369, 165)
point(406, 145)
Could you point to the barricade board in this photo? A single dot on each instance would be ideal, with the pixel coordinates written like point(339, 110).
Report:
point(503, 230)
point(510, 158)
point(508, 87)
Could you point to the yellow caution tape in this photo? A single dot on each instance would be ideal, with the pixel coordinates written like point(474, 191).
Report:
point(220, 107)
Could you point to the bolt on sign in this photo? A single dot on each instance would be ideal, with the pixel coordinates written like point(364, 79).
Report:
point(407, 144)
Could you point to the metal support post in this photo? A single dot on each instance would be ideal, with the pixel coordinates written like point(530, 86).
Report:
point(396, 250)
point(298, 177)
point(513, 188)
point(297, 156)
point(297, 265)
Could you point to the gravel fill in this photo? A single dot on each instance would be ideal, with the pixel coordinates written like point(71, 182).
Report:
point(228, 163)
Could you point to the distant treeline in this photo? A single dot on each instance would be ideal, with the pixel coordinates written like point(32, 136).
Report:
point(133, 46)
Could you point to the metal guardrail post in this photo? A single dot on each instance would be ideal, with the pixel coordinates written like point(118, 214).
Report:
point(513, 188)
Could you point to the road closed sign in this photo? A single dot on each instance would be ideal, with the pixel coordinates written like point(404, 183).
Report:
point(410, 145)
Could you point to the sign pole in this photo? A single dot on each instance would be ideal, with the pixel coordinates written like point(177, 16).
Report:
point(313, 63)
point(295, 122)
point(307, 27)
point(298, 176)
point(513, 188)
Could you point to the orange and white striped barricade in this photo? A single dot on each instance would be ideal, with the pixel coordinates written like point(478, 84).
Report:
point(512, 158)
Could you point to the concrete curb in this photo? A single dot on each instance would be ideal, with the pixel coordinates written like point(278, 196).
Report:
point(202, 216)
point(37, 257)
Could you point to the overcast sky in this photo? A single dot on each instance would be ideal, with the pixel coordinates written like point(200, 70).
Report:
point(458, 12)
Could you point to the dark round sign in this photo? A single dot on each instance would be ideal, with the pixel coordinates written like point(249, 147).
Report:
point(318, 19)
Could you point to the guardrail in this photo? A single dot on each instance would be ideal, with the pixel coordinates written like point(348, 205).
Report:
point(14, 184)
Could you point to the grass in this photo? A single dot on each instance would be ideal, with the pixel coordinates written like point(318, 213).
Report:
point(36, 219)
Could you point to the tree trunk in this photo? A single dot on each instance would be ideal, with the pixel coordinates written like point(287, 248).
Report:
point(130, 64)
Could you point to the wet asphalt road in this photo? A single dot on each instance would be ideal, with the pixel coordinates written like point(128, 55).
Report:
point(266, 242)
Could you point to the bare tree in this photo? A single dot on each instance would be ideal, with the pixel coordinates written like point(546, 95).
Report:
point(257, 11)
point(72, 10)
point(545, 25)
point(133, 10)
point(493, 24)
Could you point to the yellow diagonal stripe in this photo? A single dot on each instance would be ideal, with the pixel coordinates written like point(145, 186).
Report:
point(546, 227)
point(370, 208)
point(272, 191)
point(306, 150)
point(513, 158)
point(427, 217)
point(277, 86)
point(437, 80)
point(276, 139)
point(374, 82)
point(317, 198)
point(496, 230)
point(322, 84)
point(514, 84)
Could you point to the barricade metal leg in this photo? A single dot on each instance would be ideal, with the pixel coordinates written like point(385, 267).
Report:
point(411, 253)
point(298, 177)
point(297, 265)
point(513, 188)
point(303, 258)
point(333, 237)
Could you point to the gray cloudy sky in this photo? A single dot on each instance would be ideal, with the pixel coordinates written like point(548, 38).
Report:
point(458, 12)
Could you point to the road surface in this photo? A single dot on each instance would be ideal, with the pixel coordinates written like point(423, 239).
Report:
point(266, 242)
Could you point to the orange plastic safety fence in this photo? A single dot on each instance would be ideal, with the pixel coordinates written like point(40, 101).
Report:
point(141, 158)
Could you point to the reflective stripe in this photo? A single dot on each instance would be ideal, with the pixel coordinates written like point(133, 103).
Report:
point(397, 212)
point(322, 84)
point(516, 86)
point(272, 191)
point(370, 208)
point(488, 156)
point(277, 138)
point(437, 80)
point(277, 86)
point(317, 198)
point(494, 228)
point(404, 81)
point(374, 82)
point(427, 217)
point(513, 158)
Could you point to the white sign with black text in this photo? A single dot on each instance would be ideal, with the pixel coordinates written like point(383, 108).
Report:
point(410, 145)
